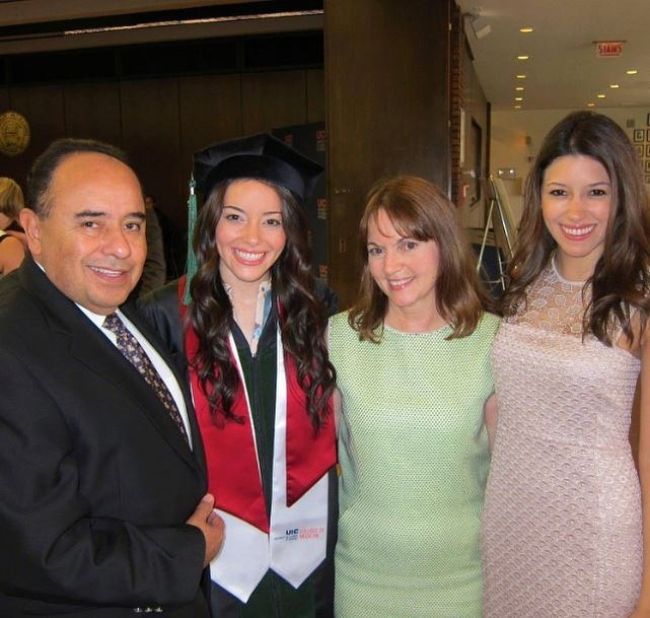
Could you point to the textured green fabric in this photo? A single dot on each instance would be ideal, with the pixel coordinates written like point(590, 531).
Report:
point(414, 458)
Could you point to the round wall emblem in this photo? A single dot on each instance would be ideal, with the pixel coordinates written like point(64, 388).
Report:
point(14, 133)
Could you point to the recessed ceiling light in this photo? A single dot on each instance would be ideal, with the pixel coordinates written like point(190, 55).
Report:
point(526, 29)
point(600, 96)
point(519, 98)
point(521, 76)
point(517, 106)
point(631, 71)
point(614, 86)
point(519, 88)
point(591, 104)
point(522, 57)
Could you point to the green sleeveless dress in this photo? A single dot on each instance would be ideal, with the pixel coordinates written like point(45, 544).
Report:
point(414, 460)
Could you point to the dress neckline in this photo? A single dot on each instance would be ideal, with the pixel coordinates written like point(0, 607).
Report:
point(563, 279)
point(434, 331)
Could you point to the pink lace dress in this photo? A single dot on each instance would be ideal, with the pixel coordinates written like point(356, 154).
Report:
point(562, 518)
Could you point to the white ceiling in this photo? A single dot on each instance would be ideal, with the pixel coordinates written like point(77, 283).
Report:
point(563, 70)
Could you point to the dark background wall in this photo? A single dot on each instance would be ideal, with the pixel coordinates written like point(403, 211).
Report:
point(386, 80)
point(387, 91)
point(160, 104)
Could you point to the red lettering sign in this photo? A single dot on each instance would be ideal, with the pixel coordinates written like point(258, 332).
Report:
point(609, 48)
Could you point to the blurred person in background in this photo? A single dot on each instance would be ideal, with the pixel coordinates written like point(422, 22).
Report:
point(12, 238)
point(154, 273)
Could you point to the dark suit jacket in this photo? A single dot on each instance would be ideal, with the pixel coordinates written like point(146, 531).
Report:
point(96, 481)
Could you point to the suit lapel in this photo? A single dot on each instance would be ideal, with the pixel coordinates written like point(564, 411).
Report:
point(90, 347)
point(131, 312)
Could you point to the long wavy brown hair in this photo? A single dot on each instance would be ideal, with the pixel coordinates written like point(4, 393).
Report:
point(302, 321)
point(619, 284)
point(420, 210)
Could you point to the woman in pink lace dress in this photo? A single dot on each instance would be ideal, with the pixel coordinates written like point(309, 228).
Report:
point(563, 525)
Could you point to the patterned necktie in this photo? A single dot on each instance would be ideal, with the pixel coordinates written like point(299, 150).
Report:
point(132, 350)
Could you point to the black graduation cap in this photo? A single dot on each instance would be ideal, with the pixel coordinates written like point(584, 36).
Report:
point(257, 156)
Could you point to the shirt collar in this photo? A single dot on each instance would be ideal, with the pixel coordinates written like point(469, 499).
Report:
point(96, 318)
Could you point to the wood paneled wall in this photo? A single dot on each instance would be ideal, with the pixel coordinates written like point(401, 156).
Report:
point(387, 92)
point(161, 122)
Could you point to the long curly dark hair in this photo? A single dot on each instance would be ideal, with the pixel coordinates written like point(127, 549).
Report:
point(302, 320)
point(621, 279)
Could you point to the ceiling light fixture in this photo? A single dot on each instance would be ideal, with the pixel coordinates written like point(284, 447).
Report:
point(590, 104)
point(519, 88)
point(631, 71)
point(526, 30)
point(614, 86)
point(520, 76)
point(600, 96)
point(523, 57)
point(519, 98)
point(517, 106)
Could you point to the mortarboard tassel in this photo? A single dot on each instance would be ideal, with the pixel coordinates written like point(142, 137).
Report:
point(191, 265)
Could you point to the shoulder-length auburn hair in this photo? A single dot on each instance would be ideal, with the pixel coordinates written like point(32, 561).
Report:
point(301, 319)
point(620, 279)
point(420, 210)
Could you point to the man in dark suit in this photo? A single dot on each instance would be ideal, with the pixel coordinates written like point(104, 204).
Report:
point(102, 505)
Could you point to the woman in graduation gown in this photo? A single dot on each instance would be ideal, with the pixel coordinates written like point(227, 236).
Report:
point(249, 329)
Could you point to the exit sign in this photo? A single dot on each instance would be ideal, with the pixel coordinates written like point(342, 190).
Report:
point(609, 48)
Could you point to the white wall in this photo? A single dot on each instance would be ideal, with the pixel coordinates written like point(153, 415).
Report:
point(517, 135)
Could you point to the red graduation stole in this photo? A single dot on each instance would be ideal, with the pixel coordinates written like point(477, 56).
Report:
point(231, 457)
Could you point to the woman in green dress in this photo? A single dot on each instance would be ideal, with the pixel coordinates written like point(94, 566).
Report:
point(413, 370)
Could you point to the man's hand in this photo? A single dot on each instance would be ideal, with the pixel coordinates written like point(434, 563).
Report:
point(208, 522)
